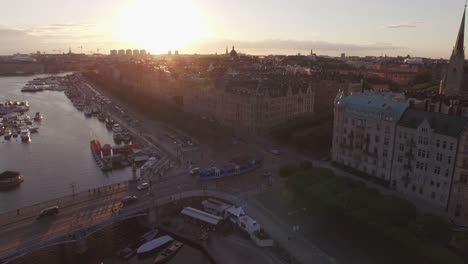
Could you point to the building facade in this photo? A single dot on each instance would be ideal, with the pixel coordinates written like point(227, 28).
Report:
point(425, 155)
point(458, 204)
point(364, 132)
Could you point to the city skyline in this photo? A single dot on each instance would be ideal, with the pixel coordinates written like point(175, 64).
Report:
point(382, 28)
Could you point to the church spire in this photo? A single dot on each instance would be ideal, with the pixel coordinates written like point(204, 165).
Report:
point(460, 44)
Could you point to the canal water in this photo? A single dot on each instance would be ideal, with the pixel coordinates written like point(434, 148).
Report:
point(58, 156)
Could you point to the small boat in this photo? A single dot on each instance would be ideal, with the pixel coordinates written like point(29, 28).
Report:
point(116, 128)
point(33, 129)
point(25, 135)
point(15, 133)
point(7, 134)
point(10, 179)
point(154, 244)
point(88, 112)
point(150, 235)
point(168, 253)
point(126, 253)
point(38, 116)
point(102, 117)
point(109, 123)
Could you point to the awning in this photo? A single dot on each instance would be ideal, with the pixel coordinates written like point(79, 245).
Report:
point(201, 215)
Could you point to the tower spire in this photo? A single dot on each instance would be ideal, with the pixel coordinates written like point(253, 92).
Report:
point(460, 44)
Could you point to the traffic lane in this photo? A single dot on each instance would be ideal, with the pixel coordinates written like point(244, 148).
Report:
point(67, 220)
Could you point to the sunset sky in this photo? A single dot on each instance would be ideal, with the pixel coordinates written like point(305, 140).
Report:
point(358, 27)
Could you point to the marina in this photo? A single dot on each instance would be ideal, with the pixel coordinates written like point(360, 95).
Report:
point(57, 160)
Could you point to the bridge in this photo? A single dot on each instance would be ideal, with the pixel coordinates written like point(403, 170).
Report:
point(85, 213)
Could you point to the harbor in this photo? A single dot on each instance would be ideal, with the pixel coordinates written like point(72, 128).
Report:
point(57, 161)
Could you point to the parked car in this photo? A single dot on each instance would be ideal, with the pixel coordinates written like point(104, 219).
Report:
point(48, 212)
point(143, 186)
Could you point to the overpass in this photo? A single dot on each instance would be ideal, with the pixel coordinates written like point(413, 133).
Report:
point(88, 212)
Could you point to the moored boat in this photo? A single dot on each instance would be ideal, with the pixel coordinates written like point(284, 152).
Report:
point(7, 134)
point(109, 123)
point(168, 252)
point(154, 244)
point(10, 179)
point(25, 135)
point(38, 116)
point(33, 129)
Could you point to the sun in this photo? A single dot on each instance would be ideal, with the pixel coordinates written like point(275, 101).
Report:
point(161, 25)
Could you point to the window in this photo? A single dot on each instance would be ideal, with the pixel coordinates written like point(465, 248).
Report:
point(426, 141)
point(423, 153)
point(444, 144)
point(400, 159)
point(449, 159)
point(424, 130)
point(419, 153)
point(376, 139)
point(458, 210)
point(421, 190)
point(386, 141)
point(464, 178)
point(451, 146)
point(439, 156)
point(437, 170)
point(402, 147)
point(420, 140)
point(438, 184)
point(438, 143)
point(446, 172)
point(385, 153)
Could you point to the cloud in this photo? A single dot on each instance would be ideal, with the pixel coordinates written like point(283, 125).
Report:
point(412, 24)
point(402, 26)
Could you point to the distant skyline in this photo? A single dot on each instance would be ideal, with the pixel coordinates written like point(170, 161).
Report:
point(421, 28)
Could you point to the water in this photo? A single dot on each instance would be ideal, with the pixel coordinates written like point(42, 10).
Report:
point(58, 155)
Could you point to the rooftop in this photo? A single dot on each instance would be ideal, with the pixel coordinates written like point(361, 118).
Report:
point(443, 124)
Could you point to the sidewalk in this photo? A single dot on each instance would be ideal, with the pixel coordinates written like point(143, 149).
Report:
point(299, 247)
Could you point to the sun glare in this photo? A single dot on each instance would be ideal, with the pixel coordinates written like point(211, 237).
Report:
point(161, 25)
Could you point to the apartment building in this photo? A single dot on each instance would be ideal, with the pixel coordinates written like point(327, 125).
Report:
point(364, 131)
point(425, 155)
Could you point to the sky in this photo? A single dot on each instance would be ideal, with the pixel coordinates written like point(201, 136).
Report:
point(420, 28)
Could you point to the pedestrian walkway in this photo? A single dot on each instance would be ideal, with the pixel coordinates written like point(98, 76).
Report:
point(298, 246)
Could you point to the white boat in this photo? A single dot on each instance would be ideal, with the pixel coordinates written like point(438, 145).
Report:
point(153, 244)
point(33, 129)
point(25, 135)
point(116, 128)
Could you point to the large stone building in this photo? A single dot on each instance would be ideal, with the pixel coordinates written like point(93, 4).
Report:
point(364, 132)
point(425, 155)
point(458, 205)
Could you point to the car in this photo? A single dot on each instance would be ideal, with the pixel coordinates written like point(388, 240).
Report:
point(48, 212)
point(143, 186)
point(129, 199)
point(194, 171)
point(274, 151)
